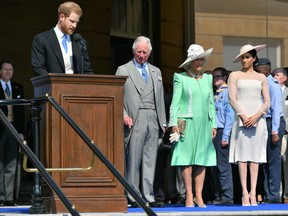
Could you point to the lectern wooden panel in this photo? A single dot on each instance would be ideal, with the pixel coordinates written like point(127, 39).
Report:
point(95, 103)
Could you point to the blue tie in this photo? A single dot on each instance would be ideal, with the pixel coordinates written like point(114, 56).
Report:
point(64, 43)
point(7, 90)
point(144, 73)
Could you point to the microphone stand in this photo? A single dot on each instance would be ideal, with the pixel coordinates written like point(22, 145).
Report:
point(86, 65)
point(83, 54)
point(82, 63)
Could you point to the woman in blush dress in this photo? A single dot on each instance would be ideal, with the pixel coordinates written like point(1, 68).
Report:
point(249, 97)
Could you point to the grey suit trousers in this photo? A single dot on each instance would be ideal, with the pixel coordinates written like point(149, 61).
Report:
point(142, 154)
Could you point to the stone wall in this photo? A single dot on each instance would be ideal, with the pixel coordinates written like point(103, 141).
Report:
point(212, 28)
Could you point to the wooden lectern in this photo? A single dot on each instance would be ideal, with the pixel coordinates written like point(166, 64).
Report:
point(95, 103)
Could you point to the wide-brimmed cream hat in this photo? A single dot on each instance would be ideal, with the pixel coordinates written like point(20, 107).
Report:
point(246, 48)
point(195, 51)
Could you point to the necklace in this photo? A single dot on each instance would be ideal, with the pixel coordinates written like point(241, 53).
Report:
point(194, 75)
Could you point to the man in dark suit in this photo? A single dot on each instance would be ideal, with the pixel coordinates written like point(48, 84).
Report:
point(57, 50)
point(8, 144)
point(144, 119)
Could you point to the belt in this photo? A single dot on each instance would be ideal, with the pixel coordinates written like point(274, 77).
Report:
point(270, 118)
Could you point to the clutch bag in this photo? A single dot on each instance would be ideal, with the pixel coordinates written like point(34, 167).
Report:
point(240, 123)
point(181, 125)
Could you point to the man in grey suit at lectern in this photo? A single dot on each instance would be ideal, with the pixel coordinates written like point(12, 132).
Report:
point(144, 119)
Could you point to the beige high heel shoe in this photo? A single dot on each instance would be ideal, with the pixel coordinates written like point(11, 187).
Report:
point(253, 200)
point(200, 205)
point(189, 204)
point(245, 200)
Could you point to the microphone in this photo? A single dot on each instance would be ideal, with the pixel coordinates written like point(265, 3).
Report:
point(78, 38)
point(86, 65)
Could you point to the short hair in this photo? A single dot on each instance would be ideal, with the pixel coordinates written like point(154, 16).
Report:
point(279, 70)
point(141, 39)
point(67, 8)
point(224, 72)
point(5, 61)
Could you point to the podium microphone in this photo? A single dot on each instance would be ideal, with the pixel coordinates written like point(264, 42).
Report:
point(78, 38)
point(86, 65)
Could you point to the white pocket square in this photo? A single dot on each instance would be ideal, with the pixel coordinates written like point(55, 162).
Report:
point(18, 96)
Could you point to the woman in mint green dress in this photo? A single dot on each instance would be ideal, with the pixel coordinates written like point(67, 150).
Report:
point(193, 101)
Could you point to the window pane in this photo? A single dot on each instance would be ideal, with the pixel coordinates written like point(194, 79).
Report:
point(119, 16)
point(136, 17)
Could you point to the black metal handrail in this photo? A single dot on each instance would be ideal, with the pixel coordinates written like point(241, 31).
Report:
point(83, 136)
point(33, 158)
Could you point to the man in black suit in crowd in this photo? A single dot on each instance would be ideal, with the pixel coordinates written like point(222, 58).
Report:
point(58, 50)
point(8, 144)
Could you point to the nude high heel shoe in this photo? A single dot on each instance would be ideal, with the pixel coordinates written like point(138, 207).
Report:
point(189, 203)
point(253, 200)
point(245, 200)
point(200, 205)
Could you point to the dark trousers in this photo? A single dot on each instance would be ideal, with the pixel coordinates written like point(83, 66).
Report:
point(168, 182)
point(272, 169)
point(159, 179)
point(8, 162)
point(222, 174)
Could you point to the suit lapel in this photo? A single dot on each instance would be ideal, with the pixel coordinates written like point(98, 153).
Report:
point(2, 96)
point(52, 38)
point(135, 77)
point(153, 77)
point(77, 65)
point(15, 91)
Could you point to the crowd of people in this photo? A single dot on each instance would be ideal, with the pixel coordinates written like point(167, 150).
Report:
point(206, 123)
point(218, 123)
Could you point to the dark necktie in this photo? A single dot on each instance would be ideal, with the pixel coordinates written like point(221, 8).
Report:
point(64, 43)
point(7, 90)
point(144, 73)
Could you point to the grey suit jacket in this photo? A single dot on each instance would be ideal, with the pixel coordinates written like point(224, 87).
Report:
point(285, 105)
point(132, 91)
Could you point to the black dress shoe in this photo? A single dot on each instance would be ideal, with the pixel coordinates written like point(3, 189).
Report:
point(222, 202)
point(134, 205)
point(156, 205)
point(226, 202)
point(214, 202)
point(274, 201)
point(10, 203)
point(172, 200)
point(181, 200)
